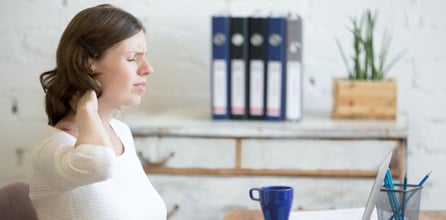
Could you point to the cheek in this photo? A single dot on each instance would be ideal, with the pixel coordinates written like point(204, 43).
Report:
point(116, 81)
point(116, 76)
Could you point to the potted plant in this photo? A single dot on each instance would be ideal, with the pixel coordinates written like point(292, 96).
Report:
point(367, 93)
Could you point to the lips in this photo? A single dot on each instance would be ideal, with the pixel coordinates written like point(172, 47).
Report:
point(140, 87)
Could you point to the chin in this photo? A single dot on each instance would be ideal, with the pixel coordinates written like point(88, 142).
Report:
point(132, 100)
point(135, 102)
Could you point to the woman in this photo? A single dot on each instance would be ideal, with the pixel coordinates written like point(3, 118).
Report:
point(87, 167)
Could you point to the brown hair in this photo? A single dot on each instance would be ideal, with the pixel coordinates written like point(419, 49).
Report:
point(88, 35)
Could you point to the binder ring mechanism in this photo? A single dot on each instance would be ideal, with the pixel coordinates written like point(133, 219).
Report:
point(219, 39)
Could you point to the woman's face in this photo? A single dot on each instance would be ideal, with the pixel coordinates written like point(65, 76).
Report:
point(124, 70)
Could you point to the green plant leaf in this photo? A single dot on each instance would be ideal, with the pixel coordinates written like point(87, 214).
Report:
point(344, 58)
point(366, 65)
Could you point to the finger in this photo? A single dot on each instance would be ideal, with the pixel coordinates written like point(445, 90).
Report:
point(73, 101)
point(92, 93)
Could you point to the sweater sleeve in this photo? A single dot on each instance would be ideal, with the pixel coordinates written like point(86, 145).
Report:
point(66, 167)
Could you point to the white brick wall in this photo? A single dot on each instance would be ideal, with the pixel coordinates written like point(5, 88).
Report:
point(179, 48)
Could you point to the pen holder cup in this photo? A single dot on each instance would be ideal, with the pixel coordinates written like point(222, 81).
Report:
point(399, 204)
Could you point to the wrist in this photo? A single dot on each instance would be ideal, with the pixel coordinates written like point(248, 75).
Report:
point(86, 109)
point(87, 115)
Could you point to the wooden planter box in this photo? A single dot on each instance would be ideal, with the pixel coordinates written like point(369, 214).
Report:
point(364, 99)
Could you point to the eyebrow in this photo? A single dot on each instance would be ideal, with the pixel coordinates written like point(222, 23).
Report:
point(139, 52)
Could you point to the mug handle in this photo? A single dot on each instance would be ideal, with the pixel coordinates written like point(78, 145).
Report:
point(251, 194)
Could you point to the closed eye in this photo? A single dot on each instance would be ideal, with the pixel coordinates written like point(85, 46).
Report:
point(132, 58)
point(136, 57)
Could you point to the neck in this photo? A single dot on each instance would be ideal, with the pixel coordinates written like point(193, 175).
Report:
point(106, 112)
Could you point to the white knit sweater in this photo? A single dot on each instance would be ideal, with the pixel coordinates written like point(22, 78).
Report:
point(90, 182)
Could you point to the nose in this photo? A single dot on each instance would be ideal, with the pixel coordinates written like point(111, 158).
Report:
point(145, 68)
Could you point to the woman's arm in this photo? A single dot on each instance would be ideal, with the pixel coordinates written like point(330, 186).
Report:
point(92, 158)
point(91, 127)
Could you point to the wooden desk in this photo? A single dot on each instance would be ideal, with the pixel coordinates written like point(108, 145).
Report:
point(257, 215)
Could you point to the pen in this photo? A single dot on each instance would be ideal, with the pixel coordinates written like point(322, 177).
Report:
point(420, 184)
point(405, 182)
point(424, 179)
point(389, 179)
point(393, 200)
point(403, 201)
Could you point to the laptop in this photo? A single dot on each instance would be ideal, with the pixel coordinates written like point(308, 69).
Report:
point(366, 213)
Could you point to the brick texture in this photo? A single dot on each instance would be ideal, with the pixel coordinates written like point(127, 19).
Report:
point(179, 48)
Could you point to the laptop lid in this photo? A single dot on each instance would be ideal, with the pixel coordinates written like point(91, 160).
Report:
point(371, 201)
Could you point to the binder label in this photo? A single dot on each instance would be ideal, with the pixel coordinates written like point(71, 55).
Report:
point(238, 86)
point(219, 86)
point(256, 87)
point(294, 96)
point(274, 79)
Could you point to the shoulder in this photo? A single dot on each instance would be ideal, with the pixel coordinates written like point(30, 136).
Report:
point(57, 137)
point(120, 127)
point(54, 141)
point(118, 123)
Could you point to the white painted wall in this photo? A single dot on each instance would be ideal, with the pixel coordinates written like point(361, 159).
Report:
point(179, 49)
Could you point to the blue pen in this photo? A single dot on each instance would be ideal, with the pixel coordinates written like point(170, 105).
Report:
point(405, 182)
point(420, 184)
point(424, 179)
point(393, 200)
point(403, 201)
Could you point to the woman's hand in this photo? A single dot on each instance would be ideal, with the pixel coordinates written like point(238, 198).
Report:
point(91, 127)
point(87, 109)
point(88, 101)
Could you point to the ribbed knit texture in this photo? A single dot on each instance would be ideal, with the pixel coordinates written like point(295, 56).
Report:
point(89, 182)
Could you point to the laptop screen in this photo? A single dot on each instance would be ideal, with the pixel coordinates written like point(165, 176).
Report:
point(371, 201)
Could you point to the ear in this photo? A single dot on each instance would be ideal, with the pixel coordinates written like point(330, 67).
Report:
point(92, 64)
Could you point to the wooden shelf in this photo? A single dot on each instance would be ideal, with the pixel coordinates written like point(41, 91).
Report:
point(314, 126)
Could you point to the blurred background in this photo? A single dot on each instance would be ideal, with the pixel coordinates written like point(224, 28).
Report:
point(179, 48)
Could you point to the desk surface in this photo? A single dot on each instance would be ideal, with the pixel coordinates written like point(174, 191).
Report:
point(257, 215)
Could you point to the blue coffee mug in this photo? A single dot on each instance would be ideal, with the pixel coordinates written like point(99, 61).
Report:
point(275, 201)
